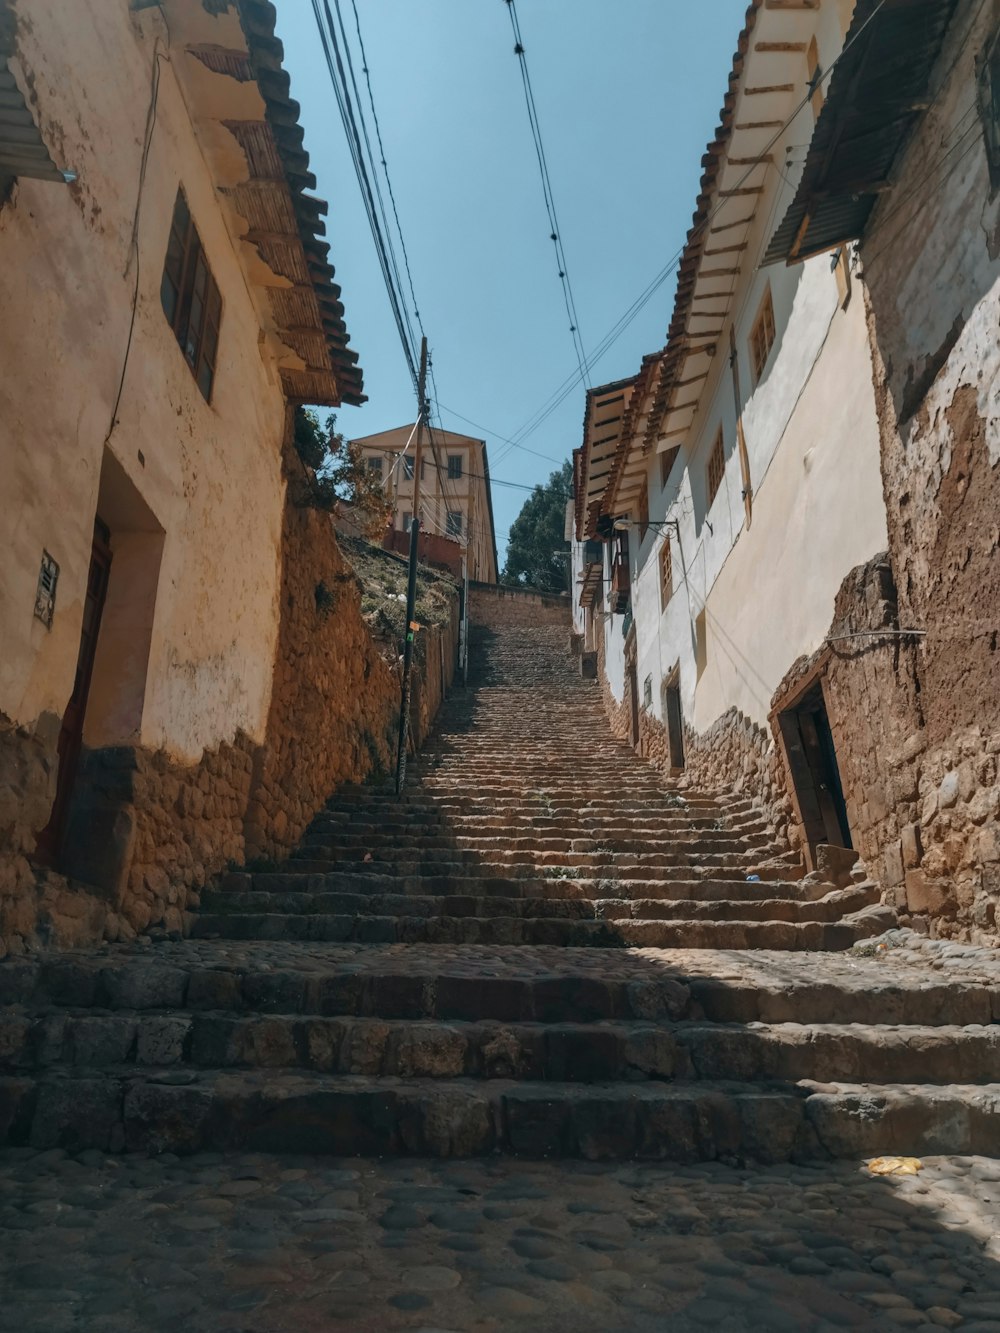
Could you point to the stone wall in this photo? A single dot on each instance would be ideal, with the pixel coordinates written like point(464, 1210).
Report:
point(146, 833)
point(495, 606)
point(736, 755)
point(933, 282)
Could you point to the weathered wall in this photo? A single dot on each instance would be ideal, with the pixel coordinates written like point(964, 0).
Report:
point(933, 278)
point(184, 663)
point(67, 288)
point(158, 830)
point(497, 607)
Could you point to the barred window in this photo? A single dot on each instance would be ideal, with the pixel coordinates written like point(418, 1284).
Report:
point(454, 467)
point(454, 523)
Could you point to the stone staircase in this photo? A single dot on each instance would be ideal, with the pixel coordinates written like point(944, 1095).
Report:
point(541, 949)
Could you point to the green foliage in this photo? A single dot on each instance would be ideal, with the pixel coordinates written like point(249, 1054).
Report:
point(537, 553)
point(338, 472)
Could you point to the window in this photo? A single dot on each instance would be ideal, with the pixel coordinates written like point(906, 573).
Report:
point(454, 467)
point(815, 78)
point(647, 693)
point(454, 523)
point(190, 297)
point(666, 573)
point(644, 511)
point(407, 467)
point(407, 522)
point(762, 336)
point(716, 467)
point(666, 466)
point(374, 462)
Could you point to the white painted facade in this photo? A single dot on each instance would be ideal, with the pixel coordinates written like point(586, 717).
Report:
point(748, 600)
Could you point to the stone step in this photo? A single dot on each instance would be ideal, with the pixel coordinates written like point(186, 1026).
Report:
point(559, 1052)
point(543, 868)
point(506, 930)
point(318, 877)
point(351, 839)
point(830, 908)
point(186, 1111)
point(519, 984)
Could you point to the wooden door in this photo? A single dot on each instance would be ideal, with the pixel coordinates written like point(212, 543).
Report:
point(675, 726)
point(812, 763)
point(71, 734)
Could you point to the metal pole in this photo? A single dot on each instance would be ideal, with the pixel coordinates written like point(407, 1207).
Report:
point(465, 636)
point(411, 587)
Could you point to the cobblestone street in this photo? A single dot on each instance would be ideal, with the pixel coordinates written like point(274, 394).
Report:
point(265, 1244)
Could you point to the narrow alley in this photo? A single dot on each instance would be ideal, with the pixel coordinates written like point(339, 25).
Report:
point(445, 978)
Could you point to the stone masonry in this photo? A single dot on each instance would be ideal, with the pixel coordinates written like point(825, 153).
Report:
point(543, 949)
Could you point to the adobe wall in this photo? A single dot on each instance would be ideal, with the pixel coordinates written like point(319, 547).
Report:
point(933, 277)
point(151, 832)
point(495, 606)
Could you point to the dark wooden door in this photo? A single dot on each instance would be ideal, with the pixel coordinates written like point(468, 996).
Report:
point(71, 734)
point(812, 761)
point(675, 726)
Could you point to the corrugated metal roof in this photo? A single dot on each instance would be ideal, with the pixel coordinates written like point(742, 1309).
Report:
point(876, 95)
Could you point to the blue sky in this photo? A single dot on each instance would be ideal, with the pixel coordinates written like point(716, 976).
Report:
point(628, 95)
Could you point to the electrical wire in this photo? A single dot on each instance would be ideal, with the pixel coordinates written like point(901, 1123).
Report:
point(383, 242)
point(555, 234)
point(558, 397)
point(133, 250)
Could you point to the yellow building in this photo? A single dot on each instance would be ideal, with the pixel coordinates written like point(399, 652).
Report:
point(455, 499)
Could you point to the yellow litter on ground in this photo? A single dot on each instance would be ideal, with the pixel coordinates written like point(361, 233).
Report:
point(895, 1166)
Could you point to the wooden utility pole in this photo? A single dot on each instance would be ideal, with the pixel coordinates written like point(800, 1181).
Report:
point(411, 586)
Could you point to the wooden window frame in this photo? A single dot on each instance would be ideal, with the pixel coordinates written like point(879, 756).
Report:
point(190, 297)
point(763, 336)
point(666, 574)
point(375, 463)
point(715, 470)
point(455, 467)
point(408, 467)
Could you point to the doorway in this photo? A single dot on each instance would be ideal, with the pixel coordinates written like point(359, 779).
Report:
point(675, 720)
point(71, 732)
point(812, 762)
point(632, 687)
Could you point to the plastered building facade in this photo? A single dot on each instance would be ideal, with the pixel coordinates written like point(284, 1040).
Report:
point(456, 504)
point(168, 300)
point(804, 474)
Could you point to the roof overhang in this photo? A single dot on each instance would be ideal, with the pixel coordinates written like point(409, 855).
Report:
point(594, 461)
point(877, 93)
point(229, 65)
point(22, 149)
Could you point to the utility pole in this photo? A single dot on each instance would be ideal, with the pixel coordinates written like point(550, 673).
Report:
point(411, 587)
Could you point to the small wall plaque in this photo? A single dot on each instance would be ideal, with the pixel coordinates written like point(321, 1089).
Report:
point(45, 597)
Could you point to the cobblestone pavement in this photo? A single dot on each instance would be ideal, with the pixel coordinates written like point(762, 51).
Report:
point(260, 1244)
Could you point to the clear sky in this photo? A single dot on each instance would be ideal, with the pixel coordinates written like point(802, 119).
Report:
point(628, 95)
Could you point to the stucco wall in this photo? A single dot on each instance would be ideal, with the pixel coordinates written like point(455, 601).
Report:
point(205, 471)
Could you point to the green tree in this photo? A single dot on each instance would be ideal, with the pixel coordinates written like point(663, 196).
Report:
point(337, 472)
point(537, 552)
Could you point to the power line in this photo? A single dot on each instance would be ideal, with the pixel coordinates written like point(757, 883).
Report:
point(566, 388)
point(385, 166)
point(383, 241)
point(496, 435)
point(550, 203)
